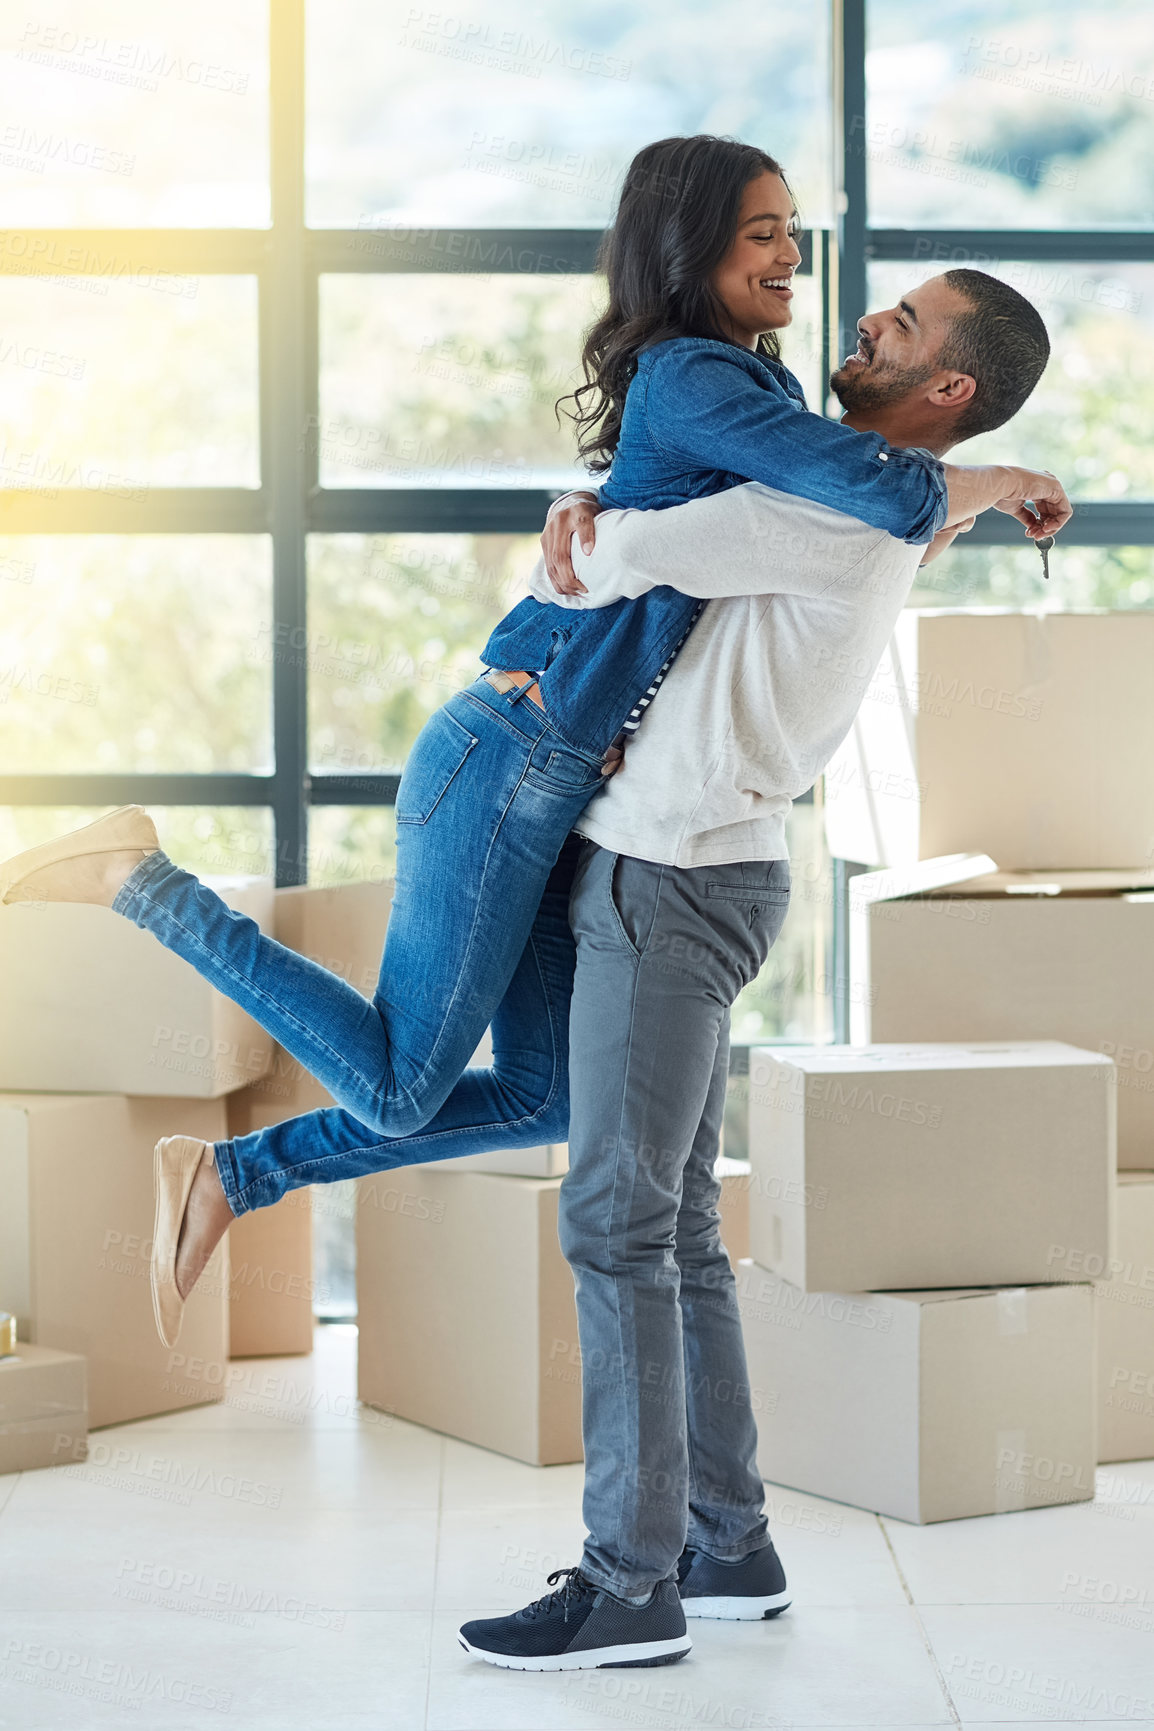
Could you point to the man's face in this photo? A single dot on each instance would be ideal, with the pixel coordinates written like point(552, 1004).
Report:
point(897, 352)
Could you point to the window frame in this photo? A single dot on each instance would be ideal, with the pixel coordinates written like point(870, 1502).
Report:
point(1095, 523)
point(288, 260)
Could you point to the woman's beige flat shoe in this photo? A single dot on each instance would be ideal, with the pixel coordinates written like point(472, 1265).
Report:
point(129, 827)
point(174, 1166)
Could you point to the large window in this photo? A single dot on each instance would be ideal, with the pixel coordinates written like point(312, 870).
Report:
point(287, 295)
point(1010, 138)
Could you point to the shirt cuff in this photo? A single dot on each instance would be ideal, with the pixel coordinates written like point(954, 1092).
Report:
point(933, 517)
point(567, 498)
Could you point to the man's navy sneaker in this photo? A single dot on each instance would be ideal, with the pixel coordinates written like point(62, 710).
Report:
point(580, 1627)
point(743, 1591)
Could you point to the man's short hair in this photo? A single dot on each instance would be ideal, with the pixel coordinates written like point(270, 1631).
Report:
point(1000, 341)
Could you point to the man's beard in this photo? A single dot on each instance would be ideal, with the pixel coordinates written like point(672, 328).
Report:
point(873, 387)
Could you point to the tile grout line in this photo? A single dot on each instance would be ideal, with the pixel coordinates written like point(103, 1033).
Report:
point(926, 1642)
point(436, 1574)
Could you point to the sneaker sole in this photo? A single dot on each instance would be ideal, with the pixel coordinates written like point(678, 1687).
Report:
point(737, 1609)
point(594, 1659)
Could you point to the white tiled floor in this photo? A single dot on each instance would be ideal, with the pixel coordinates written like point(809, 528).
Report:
point(289, 1562)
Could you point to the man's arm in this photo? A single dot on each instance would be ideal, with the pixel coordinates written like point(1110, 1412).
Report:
point(1005, 487)
point(970, 491)
point(749, 540)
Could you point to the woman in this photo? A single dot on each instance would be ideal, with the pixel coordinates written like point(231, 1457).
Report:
point(478, 935)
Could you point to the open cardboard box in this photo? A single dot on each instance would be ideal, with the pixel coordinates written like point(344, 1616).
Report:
point(1028, 734)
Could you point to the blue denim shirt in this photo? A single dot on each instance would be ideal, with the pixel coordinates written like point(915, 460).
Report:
point(701, 416)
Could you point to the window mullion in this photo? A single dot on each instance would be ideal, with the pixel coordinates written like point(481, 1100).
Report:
point(284, 396)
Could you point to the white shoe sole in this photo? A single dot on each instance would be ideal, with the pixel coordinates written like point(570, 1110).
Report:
point(631, 1653)
point(737, 1609)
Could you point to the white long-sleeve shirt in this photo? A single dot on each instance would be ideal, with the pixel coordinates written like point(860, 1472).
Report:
point(802, 601)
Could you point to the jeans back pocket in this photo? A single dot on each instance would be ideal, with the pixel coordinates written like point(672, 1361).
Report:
point(442, 746)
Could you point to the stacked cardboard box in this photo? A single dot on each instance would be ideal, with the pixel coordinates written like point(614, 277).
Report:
point(92, 1004)
point(1124, 1300)
point(734, 1206)
point(925, 1405)
point(426, 1345)
point(343, 930)
point(913, 1210)
point(926, 1165)
point(959, 1194)
point(76, 1237)
point(954, 950)
point(1027, 735)
point(466, 1319)
point(466, 1311)
point(271, 1286)
point(108, 1041)
point(43, 1411)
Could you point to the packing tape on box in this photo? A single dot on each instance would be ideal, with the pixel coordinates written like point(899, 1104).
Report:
point(7, 1334)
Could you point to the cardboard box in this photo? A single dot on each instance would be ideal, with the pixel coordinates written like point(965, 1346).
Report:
point(928, 1406)
point(271, 1279)
point(75, 1242)
point(734, 1206)
point(343, 928)
point(904, 1166)
point(90, 1003)
point(466, 1312)
point(43, 1415)
point(550, 1160)
point(1027, 734)
point(998, 956)
point(287, 1091)
point(1125, 1312)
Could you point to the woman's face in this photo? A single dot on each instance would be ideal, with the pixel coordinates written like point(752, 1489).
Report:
point(753, 279)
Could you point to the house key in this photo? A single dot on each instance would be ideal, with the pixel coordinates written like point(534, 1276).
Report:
point(1043, 547)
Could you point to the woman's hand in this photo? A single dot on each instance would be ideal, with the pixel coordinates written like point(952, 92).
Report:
point(572, 516)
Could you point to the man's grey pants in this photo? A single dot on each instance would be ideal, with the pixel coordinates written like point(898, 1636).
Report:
point(670, 1439)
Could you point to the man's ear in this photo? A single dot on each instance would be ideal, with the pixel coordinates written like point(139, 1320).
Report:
point(951, 390)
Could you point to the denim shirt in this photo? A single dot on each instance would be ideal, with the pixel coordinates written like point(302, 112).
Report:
point(701, 416)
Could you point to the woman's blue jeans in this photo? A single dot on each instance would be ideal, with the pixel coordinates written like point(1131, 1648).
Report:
point(478, 936)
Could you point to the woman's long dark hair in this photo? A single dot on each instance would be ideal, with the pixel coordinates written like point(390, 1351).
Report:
point(676, 220)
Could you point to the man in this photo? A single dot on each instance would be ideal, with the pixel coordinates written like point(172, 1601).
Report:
point(675, 906)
